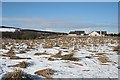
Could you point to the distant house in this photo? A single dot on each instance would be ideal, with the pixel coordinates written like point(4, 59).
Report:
point(80, 32)
point(98, 33)
point(75, 33)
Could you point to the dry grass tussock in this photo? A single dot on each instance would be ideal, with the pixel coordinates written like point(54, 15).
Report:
point(47, 46)
point(22, 52)
point(51, 59)
point(64, 57)
point(57, 55)
point(22, 64)
point(89, 57)
point(17, 75)
point(103, 59)
point(77, 63)
point(117, 49)
point(13, 56)
point(43, 53)
point(45, 72)
point(10, 54)
point(70, 57)
point(100, 53)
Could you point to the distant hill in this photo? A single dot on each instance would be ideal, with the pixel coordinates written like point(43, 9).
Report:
point(18, 33)
point(8, 27)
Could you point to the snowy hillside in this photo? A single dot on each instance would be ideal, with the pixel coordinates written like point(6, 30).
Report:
point(7, 30)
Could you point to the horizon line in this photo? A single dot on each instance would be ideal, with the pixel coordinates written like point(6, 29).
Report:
point(58, 31)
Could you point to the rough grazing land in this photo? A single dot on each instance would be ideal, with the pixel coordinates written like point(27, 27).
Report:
point(64, 57)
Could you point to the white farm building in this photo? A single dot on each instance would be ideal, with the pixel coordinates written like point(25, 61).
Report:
point(98, 33)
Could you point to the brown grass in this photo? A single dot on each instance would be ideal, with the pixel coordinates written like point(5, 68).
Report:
point(66, 51)
point(88, 57)
point(45, 72)
point(10, 52)
point(51, 59)
point(20, 58)
point(100, 53)
point(104, 64)
point(2, 46)
point(78, 64)
point(44, 53)
point(118, 67)
point(70, 57)
point(117, 49)
point(91, 51)
point(58, 55)
point(16, 75)
point(22, 52)
point(22, 64)
point(103, 59)
point(47, 46)
point(13, 56)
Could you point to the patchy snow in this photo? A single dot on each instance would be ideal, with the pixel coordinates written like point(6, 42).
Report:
point(90, 68)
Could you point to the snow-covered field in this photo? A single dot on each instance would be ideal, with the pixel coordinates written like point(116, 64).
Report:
point(96, 57)
point(7, 30)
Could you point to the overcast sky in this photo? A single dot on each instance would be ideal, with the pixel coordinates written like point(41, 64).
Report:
point(61, 17)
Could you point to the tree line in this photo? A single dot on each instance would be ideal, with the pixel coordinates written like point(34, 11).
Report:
point(28, 35)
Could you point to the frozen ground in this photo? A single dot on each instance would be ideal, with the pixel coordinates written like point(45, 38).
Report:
point(89, 68)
